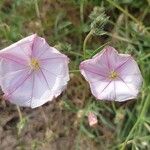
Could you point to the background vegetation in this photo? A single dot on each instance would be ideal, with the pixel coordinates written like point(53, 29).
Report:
point(62, 124)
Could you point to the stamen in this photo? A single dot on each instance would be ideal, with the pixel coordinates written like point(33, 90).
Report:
point(34, 63)
point(113, 75)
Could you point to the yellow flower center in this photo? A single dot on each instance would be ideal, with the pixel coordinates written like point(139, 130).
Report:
point(113, 75)
point(35, 64)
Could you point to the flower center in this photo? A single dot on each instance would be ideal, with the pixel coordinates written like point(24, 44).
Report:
point(113, 75)
point(35, 64)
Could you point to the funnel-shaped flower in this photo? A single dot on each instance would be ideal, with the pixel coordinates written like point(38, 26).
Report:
point(32, 72)
point(112, 76)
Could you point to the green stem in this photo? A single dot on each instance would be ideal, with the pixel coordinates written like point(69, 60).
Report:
point(124, 11)
point(98, 49)
point(127, 13)
point(85, 42)
point(81, 11)
point(137, 122)
point(145, 57)
point(38, 15)
point(131, 131)
point(74, 71)
point(121, 38)
point(113, 106)
point(75, 53)
point(37, 9)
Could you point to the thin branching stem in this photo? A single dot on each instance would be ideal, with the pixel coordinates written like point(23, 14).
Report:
point(85, 42)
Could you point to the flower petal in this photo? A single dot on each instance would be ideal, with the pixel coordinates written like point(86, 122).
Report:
point(104, 90)
point(41, 49)
point(21, 49)
point(97, 71)
point(13, 82)
point(124, 91)
point(130, 74)
point(26, 85)
point(114, 59)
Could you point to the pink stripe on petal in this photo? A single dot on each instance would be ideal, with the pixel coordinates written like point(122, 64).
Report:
point(51, 58)
point(129, 59)
point(107, 58)
point(32, 86)
point(17, 85)
point(15, 45)
point(45, 79)
point(13, 58)
point(39, 47)
point(125, 75)
point(93, 69)
point(32, 92)
point(128, 87)
point(8, 74)
point(29, 54)
point(42, 53)
point(32, 47)
point(95, 73)
point(115, 90)
point(102, 79)
point(57, 67)
point(107, 62)
point(105, 87)
point(53, 74)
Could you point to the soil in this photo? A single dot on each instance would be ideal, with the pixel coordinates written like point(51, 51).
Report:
point(50, 127)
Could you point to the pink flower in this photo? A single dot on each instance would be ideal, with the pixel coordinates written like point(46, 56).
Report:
point(112, 76)
point(92, 119)
point(32, 72)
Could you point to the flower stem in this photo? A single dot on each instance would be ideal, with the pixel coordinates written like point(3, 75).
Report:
point(19, 112)
point(85, 42)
